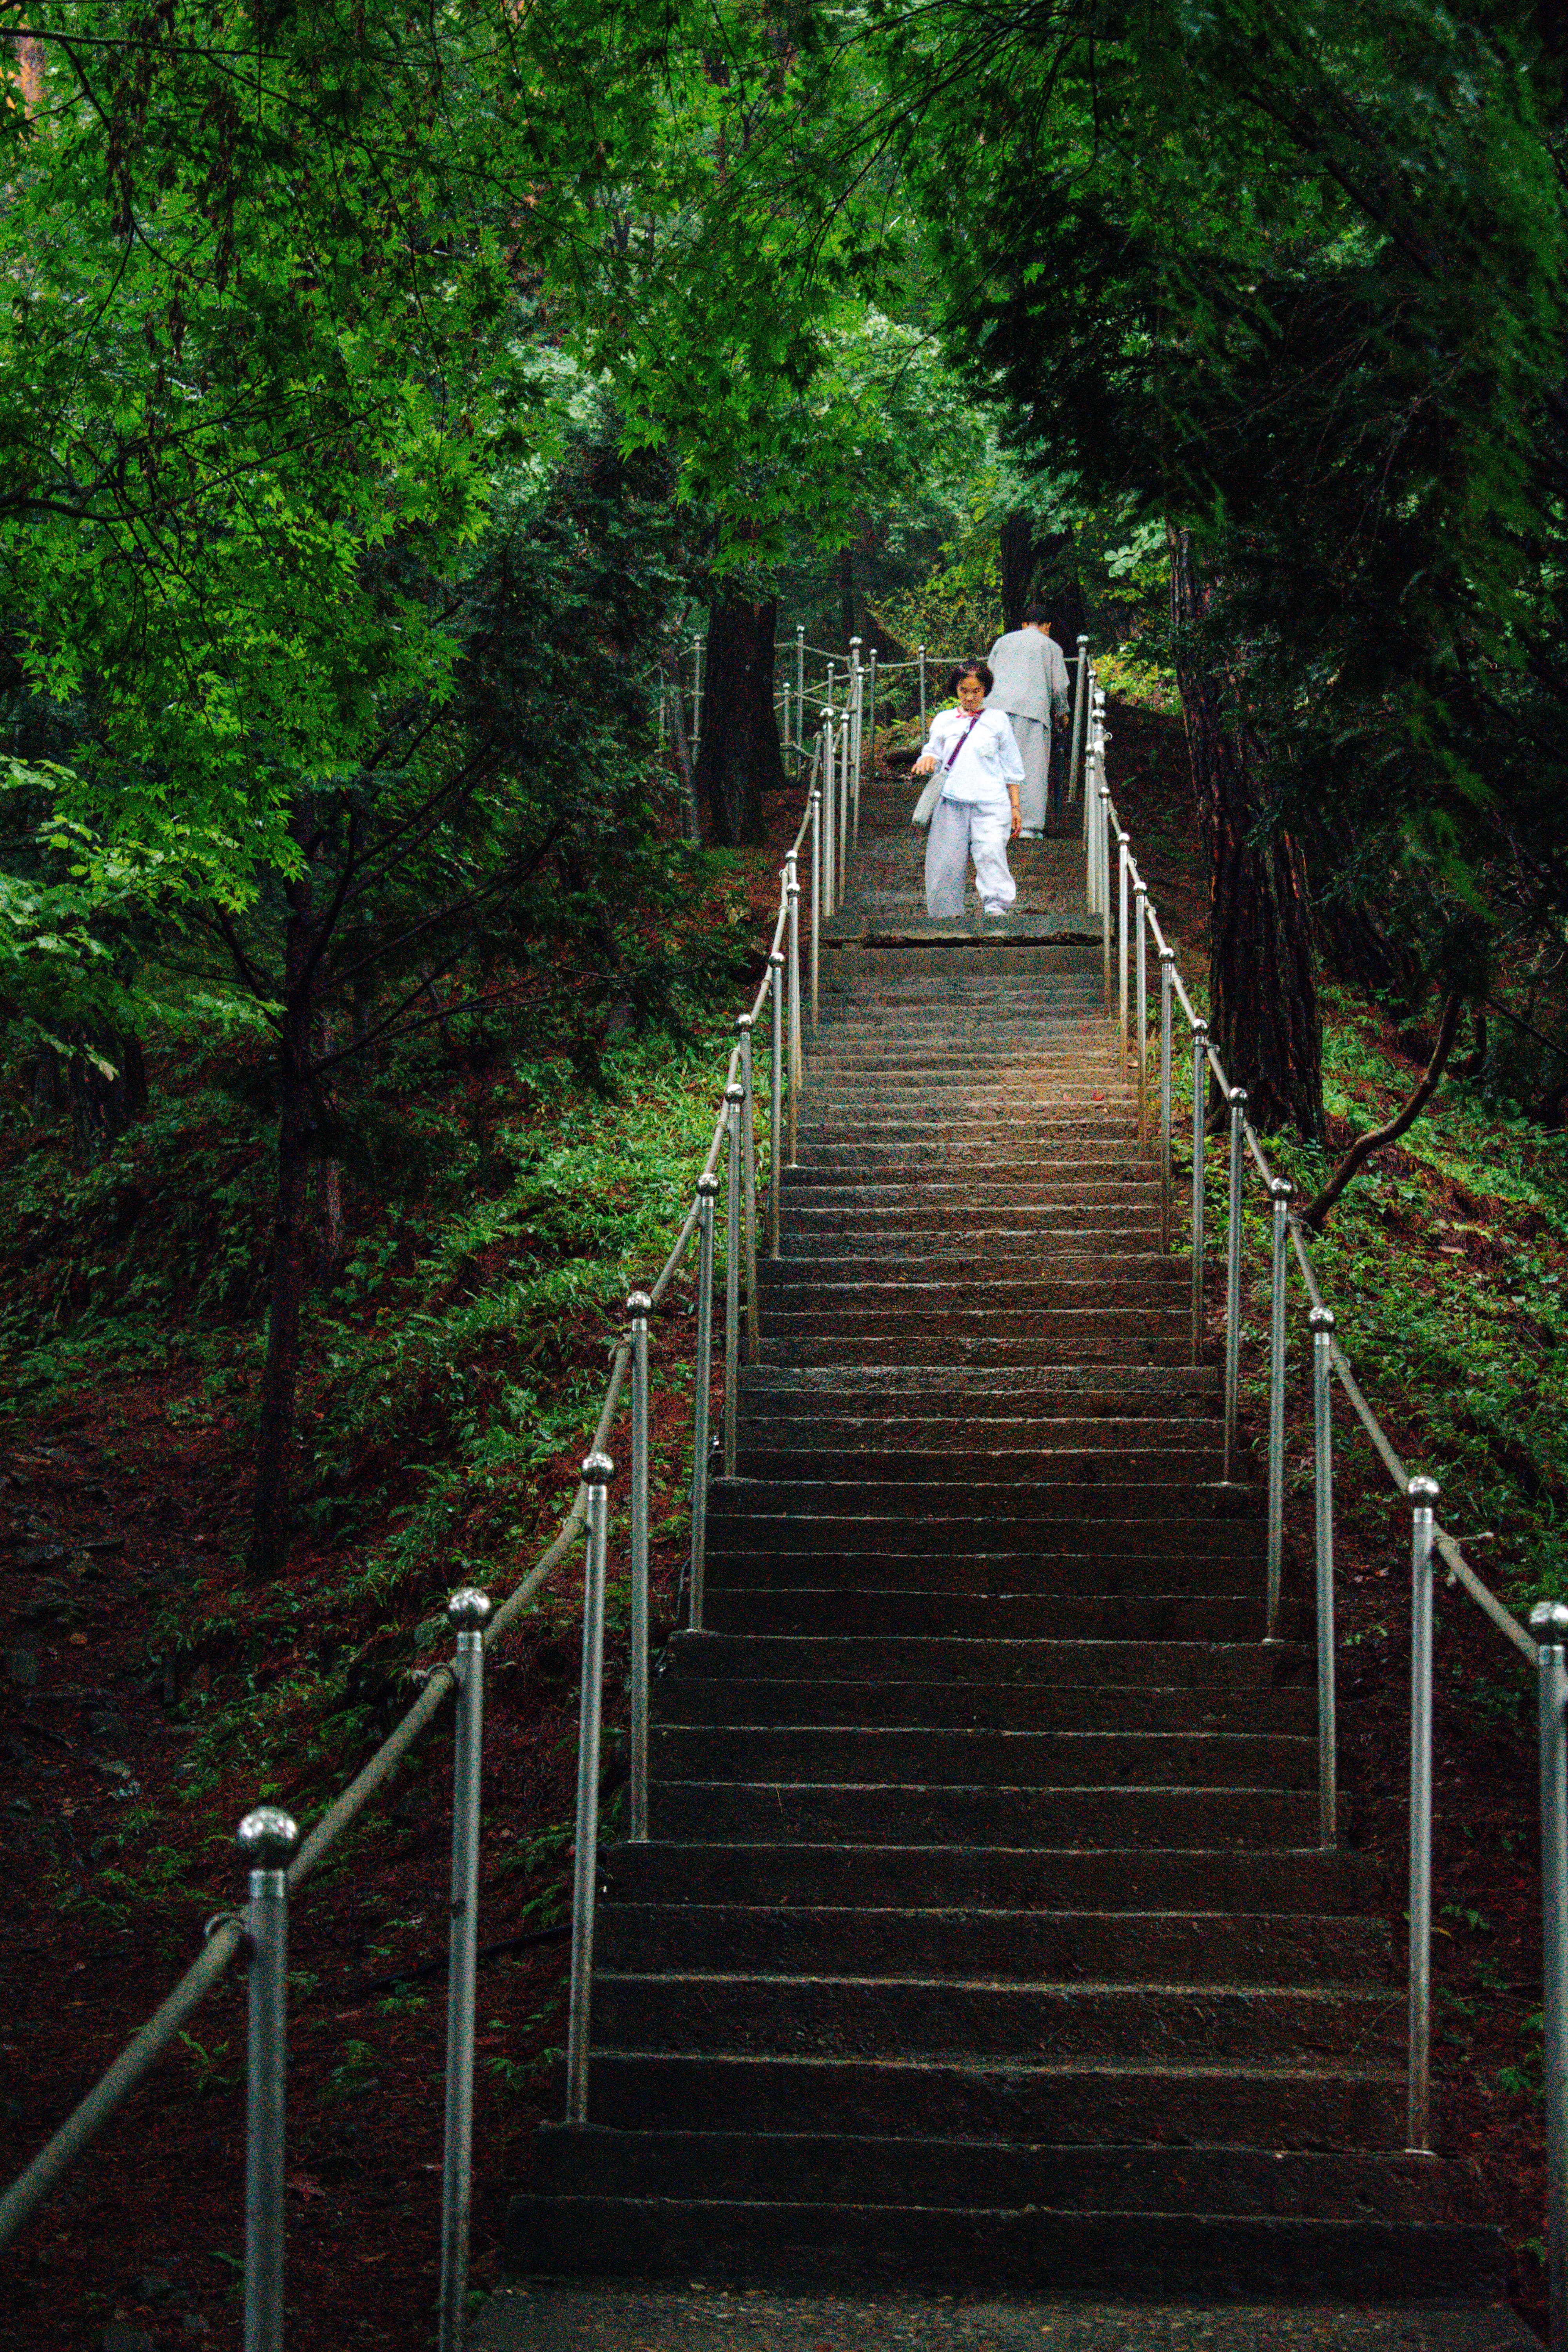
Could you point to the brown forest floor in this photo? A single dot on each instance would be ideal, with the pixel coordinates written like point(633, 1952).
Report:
point(114, 1507)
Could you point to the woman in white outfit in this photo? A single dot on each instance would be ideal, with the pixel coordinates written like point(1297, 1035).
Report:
point(972, 758)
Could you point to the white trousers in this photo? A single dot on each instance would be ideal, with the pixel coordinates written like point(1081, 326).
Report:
point(961, 830)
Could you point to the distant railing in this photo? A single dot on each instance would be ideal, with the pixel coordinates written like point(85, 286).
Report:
point(1127, 931)
point(279, 1863)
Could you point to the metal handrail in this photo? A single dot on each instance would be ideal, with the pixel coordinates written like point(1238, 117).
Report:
point(280, 1864)
point(1102, 829)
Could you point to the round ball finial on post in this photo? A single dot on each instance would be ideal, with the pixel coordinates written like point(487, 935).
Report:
point(1321, 1318)
point(1200, 1033)
point(598, 1470)
point(640, 1306)
point(468, 1610)
point(743, 1024)
point(1168, 955)
point(736, 1093)
point(1280, 1188)
point(1549, 1623)
point(267, 1838)
point(708, 1187)
point(1423, 1492)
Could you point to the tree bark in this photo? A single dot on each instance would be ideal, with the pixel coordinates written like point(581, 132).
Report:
point(847, 593)
point(290, 1248)
point(676, 705)
point(1017, 545)
point(1263, 997)
point(739, 758)
point(102, 1101)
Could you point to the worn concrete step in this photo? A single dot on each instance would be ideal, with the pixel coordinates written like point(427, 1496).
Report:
point(1010, 1519)
point(900, 2016)
point(864, 1813)
point(875, 1452)
point(1120, 1584)
point(836, 1656)
point(1146, 1310)
point(687, 1698)
point(1324, 2104)
point(1143, 1340)
point(950, 1268)
point(1036, 1243)
point(783, 1874)
point(867, 1128)
point(871, 1607)
point(979, 1191)
point(1102, 1947)
point(972, 1757)
point(988, 1391)
point(917, 2171)
point(785, 1284)
point(848, 2243)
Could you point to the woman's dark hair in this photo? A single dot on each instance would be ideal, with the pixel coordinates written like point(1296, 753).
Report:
point(1036, 615)
point(970, 670)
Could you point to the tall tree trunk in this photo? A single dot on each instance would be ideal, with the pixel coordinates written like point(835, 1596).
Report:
point(1016, 543)
point(739, 758)
point(847, 593)
point(676, 705)
point(1263, 997)
point(290, 1249)
point(102, 1081)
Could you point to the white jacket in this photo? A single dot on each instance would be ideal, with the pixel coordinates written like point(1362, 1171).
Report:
point(983, 769)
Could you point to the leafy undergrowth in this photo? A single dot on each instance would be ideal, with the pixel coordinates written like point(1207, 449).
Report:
point(1445, 1264)
point(150, 1694)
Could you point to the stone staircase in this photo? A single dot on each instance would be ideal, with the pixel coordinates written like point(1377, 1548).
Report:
point(982, 1934)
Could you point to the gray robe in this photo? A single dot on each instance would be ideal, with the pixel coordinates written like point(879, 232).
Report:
point(1031, 686)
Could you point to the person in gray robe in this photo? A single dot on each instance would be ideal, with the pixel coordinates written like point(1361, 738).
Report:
point(1031, 686)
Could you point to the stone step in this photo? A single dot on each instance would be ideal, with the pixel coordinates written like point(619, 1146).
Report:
point(1159, 1499)
point(1125, 1661)
point(1153, 1522)
point(1121, 1584)
point(1111, 1946)
point(865, 1813)
point(787, 1874)
point(1269, 2259)
point(896, 2017)
point(998, 1392)
point(1143, 1340)
point(875, 1452)
point(972, 1757)
point(871, 1607)
point(1331, 2104)
point(685, 1698)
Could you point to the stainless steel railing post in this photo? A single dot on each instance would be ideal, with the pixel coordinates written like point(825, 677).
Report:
point(857, 679)
point(1322, 1322)
point(800, 688)
point(1549, 1623)
point(870, 725)
point(920, 654)
point(1279, 1238)
point(1200, 1089)
point(639, 1307)
point(1141, 1008)
point(748, 1171)
point(734, 1096)
point(1422, 1497)
point(1167, 980)
point(1078, 683)
point(1102, 880)
point(829, 816)
point(775, 1093)
point(1123, 942)
point(468, 1611)
point(797, 1057)
point(597, 1472)
point(1233, 1280)
point(846, 766)
point(707, 1194)
point(267, 1838)
point(701, 648)
point(816, 905)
